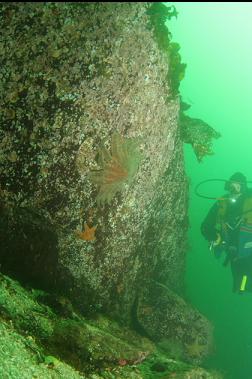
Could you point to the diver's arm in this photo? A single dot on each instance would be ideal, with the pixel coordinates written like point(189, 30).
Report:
point(208, 225)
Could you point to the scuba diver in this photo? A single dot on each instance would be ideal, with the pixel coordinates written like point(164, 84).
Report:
point(228, 228)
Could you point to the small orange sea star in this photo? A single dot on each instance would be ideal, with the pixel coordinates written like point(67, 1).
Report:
point(88, 234)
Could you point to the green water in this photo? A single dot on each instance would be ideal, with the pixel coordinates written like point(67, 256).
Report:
point(215, 41)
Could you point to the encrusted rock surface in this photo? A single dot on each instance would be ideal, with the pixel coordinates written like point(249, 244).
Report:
point(74, 76)
point(166, 316)
point(43, 342)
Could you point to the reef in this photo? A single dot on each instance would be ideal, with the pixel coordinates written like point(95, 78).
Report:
point(94, 195)
point(44, 336)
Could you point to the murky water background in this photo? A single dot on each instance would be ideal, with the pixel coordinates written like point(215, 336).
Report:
point(215, 44)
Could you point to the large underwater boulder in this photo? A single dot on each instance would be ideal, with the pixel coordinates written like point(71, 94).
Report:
point(94, 194)
point(172, 323)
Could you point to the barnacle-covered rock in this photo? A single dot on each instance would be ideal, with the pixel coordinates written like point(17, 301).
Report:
point(75, 75)
point(184, 325)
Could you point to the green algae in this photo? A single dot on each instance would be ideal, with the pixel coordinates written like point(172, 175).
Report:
point(86, 345)
point(37, 342)
point(19, 358)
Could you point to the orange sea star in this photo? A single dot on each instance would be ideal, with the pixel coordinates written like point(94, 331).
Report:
point(88, 234)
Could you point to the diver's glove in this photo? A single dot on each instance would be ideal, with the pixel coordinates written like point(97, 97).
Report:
point(217, 242)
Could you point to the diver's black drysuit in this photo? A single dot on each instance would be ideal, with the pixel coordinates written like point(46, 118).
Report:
point(232, 222)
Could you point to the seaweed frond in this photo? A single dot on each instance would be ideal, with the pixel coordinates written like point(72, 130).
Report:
point(159, 14)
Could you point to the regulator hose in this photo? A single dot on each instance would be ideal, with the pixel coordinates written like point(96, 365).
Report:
point(207, 181)
point(196, 191)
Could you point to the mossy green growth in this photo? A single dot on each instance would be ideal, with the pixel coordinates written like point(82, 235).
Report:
point(69, 343)
point(159, 14)
point(36, 342)
point(39, 339)
point(158, 366)
point(89, 346)
point(171, 348)
point(19, 358)
point(51, 361)
point(18, 305)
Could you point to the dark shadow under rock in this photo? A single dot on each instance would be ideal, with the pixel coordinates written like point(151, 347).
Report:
point(28, 247)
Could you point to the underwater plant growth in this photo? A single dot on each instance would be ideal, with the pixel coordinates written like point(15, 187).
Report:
point(197, 133)
point(159, 14)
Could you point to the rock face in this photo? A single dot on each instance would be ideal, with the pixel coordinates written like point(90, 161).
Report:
point(167, 318)
point(90, 144)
